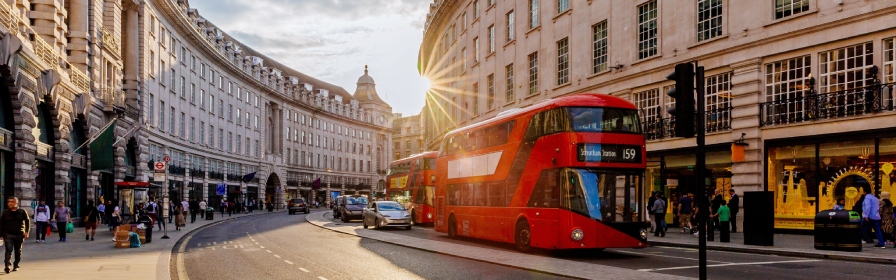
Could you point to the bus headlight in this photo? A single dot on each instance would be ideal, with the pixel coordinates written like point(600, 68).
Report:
point(643, 233)
point(577, 235)
point(429, 215)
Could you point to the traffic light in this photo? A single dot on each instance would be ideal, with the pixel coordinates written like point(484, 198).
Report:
point(683, 93)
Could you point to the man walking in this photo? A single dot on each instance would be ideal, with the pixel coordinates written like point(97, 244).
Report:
point(42, 219)
point(685, 203)
point(659, 214)
point(650, 212)
point(734, 206)
point(723, 216)
point(202, 206)
point(90, 220)
point(871, 216)
point(14, 227)
point(717, 200)
point(194, 209)
point(186, 209)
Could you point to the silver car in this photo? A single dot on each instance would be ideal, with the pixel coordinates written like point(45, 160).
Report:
point(382, 214)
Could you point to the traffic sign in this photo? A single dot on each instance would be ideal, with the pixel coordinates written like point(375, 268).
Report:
point(160, 166)
point(166, 158)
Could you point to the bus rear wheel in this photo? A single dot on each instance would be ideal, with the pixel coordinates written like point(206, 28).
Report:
point(522, 236)
point(452, 227)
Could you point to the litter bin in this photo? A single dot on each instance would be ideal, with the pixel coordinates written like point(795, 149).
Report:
point(838, 230)
point(209, 214)
point(147, 222)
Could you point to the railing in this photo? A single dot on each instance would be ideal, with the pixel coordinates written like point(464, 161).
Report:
point(715, 120)
point(8, 18)
point(44, 150)
point(176, 170)
point(79, 78)
point(79, 161)
point(5, 138)
point(196, 173)
point(832, 105)
point(111, 42)
point(292, 182)
point(215, 175)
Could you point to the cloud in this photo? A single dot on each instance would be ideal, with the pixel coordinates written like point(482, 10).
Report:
point(276, 41)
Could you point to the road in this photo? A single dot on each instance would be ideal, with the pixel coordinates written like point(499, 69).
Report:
point(281, 246)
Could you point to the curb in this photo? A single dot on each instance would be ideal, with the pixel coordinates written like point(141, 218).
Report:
point(170, 265)
point(779, 252)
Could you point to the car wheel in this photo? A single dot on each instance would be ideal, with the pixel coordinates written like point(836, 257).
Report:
point(290, 212)
point(364, 222)
point(523, 236)
point(376, 223)
point(408, 227)
point(307, 211)
point(452, 227)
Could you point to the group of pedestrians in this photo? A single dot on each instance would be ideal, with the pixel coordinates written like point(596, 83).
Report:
point(722, 214)
point(877, 215)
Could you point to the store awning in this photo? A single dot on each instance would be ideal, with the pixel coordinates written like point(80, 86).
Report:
point(132, 184)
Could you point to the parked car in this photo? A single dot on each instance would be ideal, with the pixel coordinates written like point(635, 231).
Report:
point(351, 206)
point(382, 214)
point(335, 207)
point(297, 205)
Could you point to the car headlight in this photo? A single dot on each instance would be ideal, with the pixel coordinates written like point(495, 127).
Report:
point(577, 235)
point(429, 216)
point(643, 233)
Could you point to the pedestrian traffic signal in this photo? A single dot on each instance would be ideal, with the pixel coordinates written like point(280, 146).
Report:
point(683, 93)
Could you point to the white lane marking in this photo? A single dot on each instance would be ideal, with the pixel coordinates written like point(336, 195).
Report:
point(663, 256)
point(260, 246)
point(726, 264)
point(289, 262)
point(268, 251)
point(321, 278)
point(303, 269)
point(278, 256)
point(256, 243)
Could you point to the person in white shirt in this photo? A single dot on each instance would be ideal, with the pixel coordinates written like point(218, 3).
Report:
point(186, 206)
point(202, 206)
point(42, 219)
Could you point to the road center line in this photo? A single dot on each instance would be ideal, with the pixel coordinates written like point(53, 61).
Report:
point(278, 256)
point(289, 262)
point(727, 264)
point(663, 256)
point(268, 251)
point(321, 278)
point(260, 246)
point(303, 269)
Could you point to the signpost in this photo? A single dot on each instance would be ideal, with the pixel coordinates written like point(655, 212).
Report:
point(160, 174)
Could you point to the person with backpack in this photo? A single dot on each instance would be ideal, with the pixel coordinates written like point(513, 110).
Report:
point(659, 213)
point(42, 219)
point(90, 220)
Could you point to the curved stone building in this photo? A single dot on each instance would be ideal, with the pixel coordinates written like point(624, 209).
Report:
point(806, 84)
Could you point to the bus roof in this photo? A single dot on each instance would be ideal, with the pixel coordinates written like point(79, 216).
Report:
point(429, 154)
point(583, 99)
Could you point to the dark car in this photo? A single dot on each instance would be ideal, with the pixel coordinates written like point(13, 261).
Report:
point(351, 207)
point(297, 205)
point(335, 207)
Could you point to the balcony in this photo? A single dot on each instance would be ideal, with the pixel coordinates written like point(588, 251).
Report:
point(44, 151)
point(832, 105)
point(197, 174)
point(176, 170)
point(715, 120)
point(79, 161)
point(113, 98)
point(215, 175)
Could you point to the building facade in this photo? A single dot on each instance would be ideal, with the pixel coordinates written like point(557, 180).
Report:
point(222, 110)
point(407, 136)
point(807, 85)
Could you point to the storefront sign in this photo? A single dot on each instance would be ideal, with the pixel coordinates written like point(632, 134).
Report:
point(608, 153)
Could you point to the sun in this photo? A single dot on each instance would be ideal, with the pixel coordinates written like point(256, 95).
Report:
point(425, 83)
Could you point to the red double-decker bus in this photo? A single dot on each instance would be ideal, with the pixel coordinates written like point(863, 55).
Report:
point(561, 174)
point(411, 182)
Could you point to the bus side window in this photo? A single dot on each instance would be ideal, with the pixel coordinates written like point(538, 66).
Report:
point(480, 194)
point(496, 193)
point(547, 190)
point(453, 195)
point(421, 196)
point(535, 128)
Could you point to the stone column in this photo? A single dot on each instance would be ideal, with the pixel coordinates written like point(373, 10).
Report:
point(77, 28)
point(746, 94)
point(275, 135)
point(131, 51)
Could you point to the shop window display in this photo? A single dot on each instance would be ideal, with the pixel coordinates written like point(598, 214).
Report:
point(791, 175)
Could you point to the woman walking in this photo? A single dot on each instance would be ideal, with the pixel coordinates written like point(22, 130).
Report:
point(886, 217)
point(179, 219)
point(42, 219)
point(62, 216)
point(115, 221)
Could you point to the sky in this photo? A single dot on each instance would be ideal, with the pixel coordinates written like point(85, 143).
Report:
point(332, 40)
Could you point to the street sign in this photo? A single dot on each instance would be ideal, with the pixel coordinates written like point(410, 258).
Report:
point(160, 174)
point(220, 189)
point(160, 166)
point(166, 158)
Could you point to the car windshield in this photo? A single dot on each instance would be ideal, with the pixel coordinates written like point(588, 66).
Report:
point(356, 200)
point(297, 201)
point(588, 119)
point(389, 207)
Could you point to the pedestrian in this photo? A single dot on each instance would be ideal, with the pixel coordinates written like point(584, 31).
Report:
point(152, 210)
point(650, 213)
point(223, 207)
point(108, 214)
point(723, 215)
point(15, 225)
point(115, 221)
point(90, 220)
point(101, 208)
point(841, 204)
point(194, 209)
point(716, 203)
point(871, 216)
point(886, 217)
point(685, 204)
point(179, 220)
point(858, 207)
point(42, 219)
point(185, 208)
point(170, 209)
point(659, 210)
point(202, 206)
point(734, 206)
point(62, 216)
point(230, 208)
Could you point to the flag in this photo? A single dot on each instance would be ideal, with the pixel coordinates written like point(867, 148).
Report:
point(248, 177)
point(102, 150)
point(316, 184)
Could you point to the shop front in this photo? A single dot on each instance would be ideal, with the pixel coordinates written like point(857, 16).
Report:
point(672, 173)
point(809, 175)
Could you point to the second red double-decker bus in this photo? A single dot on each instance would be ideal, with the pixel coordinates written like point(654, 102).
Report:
point(411, 182)
point(561, 174)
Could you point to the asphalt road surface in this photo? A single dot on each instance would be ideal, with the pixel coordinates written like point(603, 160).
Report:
point(683, 261)
point(281, 246)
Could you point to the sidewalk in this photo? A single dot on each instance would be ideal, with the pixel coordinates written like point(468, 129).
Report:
point(99, 259)
point(506, 258)
point(792, 245)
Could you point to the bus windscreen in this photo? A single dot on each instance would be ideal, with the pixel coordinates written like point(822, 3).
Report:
point(590, 119)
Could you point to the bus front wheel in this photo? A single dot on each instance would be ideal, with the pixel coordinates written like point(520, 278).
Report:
point(452, 227)
point(522, 236)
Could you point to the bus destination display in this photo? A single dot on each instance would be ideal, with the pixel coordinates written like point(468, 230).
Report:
point(608, 153)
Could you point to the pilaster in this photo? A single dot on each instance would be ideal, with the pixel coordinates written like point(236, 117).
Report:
point(746, 94)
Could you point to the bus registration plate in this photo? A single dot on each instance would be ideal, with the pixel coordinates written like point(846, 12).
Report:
point(608, 153)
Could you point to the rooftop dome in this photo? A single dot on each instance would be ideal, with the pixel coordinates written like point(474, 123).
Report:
point(366, 91)
point(366, 79)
